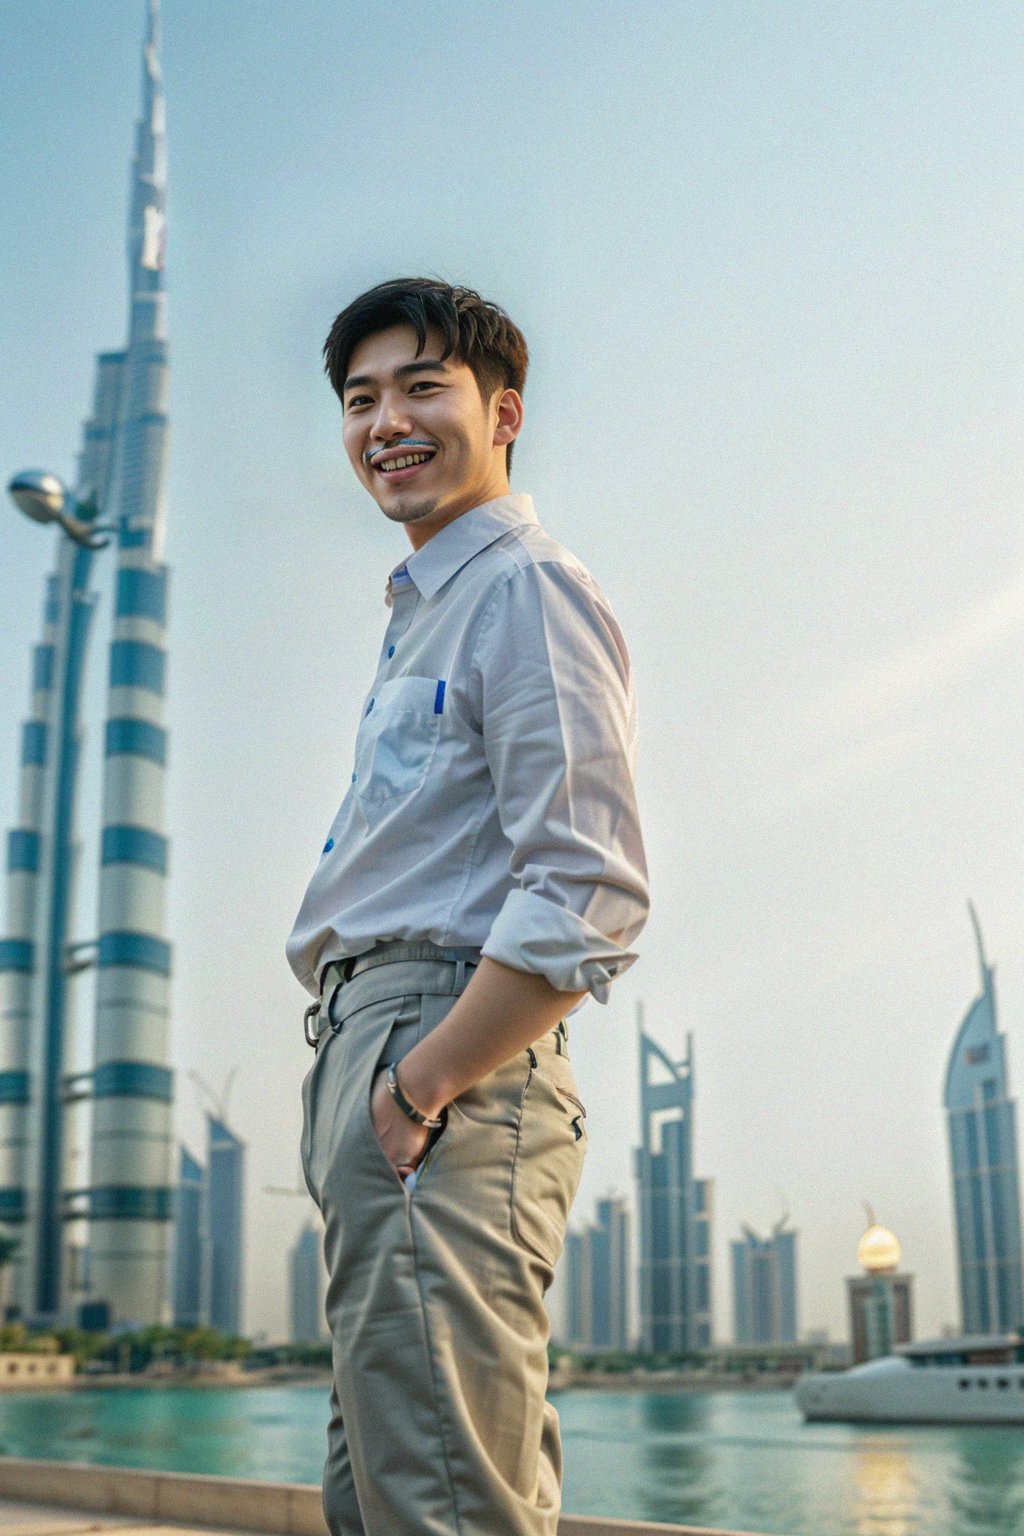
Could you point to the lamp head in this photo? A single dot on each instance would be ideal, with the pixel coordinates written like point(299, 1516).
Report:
point(46, 499)
point(40, 495)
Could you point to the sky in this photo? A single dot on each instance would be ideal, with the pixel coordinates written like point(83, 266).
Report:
point(766, 256)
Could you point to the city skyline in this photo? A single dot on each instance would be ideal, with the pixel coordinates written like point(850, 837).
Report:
point(804, 508)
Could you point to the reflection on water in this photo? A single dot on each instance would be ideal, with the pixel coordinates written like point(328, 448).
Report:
point(740, 1460)
point(748, 1462)
point(888, 1494)
point(986, 1485)
point(677, 1468)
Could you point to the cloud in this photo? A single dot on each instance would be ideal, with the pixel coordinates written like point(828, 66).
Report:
point(850, 764)
point(932, 662)
point(866, 725)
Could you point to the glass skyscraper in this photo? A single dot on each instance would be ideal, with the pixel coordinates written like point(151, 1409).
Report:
point(764, 1286)
point(124, 1206)
point(190, 1278)
point(307, 1273)
point(597, 1275)
point(675, 1209)
point(225, 1203)
point(982, 1119)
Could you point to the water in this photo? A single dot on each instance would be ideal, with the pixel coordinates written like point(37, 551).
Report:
point(744, 1461)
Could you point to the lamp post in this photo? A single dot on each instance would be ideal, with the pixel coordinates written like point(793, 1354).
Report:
point(46, 499)
point(51, 758)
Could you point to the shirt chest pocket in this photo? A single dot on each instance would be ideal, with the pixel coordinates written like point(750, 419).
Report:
point(398, 737)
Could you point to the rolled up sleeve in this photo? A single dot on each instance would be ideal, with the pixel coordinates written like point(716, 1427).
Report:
point(559, 725)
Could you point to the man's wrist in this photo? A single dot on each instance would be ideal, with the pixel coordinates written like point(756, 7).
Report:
point(410, 1110)
point(423, 1089)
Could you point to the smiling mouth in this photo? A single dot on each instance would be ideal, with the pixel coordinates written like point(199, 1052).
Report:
point(402, 456)
point(391, 465)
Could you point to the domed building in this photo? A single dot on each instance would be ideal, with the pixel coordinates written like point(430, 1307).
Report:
point(879, 1250)
point(880, 1299)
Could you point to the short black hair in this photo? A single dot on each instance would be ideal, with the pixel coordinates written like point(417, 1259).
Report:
point(474, 331)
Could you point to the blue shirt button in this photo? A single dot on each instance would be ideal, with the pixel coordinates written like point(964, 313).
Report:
point(391, 652)
point(353, 778)
point(328, 845)
point(370, 705)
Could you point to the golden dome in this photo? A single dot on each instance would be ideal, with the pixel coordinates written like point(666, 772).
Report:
point(878, 1250)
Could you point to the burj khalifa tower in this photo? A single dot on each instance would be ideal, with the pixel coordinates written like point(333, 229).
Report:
point(122, 1203)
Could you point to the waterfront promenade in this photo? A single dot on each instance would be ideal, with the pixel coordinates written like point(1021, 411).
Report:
point(52, 1498)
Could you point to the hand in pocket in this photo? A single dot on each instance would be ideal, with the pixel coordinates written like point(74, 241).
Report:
point(402, 1141)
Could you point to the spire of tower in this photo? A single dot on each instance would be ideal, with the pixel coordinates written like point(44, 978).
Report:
point(152, 79)
point(981, 947)
point(147, 224)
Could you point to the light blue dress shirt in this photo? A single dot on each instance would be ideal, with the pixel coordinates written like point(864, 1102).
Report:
point(491, 802)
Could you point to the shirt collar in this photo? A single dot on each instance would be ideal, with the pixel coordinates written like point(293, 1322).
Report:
point(454, 546)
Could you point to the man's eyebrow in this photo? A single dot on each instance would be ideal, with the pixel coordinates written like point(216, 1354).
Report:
point(420, 365)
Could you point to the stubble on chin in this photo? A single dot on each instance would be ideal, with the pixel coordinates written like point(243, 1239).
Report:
point(413, 512)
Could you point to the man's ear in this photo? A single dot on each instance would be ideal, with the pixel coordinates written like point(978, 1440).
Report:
point(509, 421)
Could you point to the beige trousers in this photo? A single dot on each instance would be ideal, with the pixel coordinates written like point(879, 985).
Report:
point(439, 1421)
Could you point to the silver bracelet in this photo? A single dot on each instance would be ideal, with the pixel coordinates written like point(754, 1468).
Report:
point(409, 1110)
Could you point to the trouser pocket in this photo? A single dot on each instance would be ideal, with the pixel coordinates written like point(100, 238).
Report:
point(310, 1092)
point(550, 1148)
point(338, 1140)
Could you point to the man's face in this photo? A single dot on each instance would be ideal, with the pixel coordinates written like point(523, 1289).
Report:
point(418, 435)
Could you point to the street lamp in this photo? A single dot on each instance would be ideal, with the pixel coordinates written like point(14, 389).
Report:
point(46, 499)
point(53, 750)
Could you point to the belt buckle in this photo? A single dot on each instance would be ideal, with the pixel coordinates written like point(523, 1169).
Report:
point(312, 1040)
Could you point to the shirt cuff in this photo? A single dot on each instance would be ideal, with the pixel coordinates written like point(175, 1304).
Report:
point(532, 934)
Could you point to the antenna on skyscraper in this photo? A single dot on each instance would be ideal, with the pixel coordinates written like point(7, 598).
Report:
point(219, 1101)
point(981, 947)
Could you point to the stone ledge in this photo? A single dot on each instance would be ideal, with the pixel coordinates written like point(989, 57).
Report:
point(225, 1503)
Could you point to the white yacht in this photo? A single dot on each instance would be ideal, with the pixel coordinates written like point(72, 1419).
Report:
point(975, 1379)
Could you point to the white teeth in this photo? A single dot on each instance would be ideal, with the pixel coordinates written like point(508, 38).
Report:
point(404, 463)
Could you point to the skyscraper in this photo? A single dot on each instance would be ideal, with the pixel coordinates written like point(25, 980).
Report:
point(764, 1286)
point(225, 1203)
point(597, 1279)
point(190, 1280)
point(127, 1201)
point(675, 1208)
point(307, 1272)
point(982, 1119)
point(577, 1290)
point(609, 1275)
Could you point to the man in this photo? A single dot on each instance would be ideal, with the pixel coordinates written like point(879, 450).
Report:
point(484, 874)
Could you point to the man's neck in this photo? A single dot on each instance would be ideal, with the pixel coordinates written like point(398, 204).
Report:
point(423, 531)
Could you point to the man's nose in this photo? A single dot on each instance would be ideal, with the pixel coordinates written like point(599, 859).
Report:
point(390, 421)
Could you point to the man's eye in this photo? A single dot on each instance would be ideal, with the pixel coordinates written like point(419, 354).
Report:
point(422, 384)
point(355, 400)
